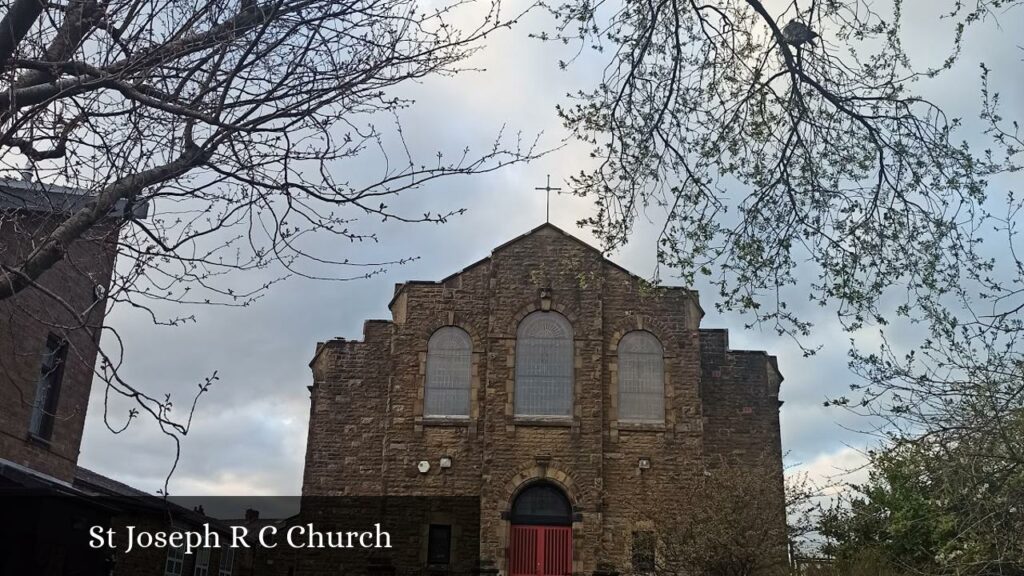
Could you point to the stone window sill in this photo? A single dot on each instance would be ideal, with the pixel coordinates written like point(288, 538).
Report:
point(38, 441)
point(557, 421)
point(641, 426)
point(443, 420)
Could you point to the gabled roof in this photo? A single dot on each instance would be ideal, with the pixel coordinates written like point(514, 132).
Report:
point(32, 196)
point(138, 501)
point(544, 226)
point(85, 478)
point(27, 481)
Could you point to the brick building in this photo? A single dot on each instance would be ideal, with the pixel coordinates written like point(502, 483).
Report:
point(49, 342)
point(573, 399)
point(49, 337)
point(49, 334)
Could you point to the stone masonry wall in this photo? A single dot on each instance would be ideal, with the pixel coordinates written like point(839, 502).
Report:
point(368, 432)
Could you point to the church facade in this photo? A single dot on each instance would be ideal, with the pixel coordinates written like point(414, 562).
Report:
point(575, 401)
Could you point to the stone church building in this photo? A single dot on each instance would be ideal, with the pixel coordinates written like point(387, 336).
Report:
point(575, 401)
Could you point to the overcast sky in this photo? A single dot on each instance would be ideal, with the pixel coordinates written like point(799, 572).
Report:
point(249, 433)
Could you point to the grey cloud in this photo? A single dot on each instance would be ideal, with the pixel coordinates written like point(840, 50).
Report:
point(249, 432)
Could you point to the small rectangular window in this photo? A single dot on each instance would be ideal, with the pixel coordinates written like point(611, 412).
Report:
point(202, 562)
point(175, 561)
point(227, 561)
point(51, 372)
point(439, 545)
point(643, 552)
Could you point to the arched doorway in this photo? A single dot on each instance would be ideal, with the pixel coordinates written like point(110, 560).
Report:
point(540, 542)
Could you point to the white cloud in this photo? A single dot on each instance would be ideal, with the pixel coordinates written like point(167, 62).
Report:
point(834, 470)
point(249, 435)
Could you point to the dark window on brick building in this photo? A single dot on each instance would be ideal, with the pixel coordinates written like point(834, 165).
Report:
point(439, 545)
point(51, 372)
point(175, 565)
point(202, 567)
point(643, 552)
point(227, 562)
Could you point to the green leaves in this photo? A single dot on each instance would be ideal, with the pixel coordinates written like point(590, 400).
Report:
point(932, 508)
point(774, 165)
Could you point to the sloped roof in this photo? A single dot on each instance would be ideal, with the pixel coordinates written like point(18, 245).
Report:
point(34, 196)
point(542, 227)
point(86, 478)
point(32, 481)
point(139, 501)
point(32, 478)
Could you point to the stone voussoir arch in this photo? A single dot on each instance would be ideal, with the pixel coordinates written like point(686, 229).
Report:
point(525, 310)
point(532, 474)
point(640, 322)
point(441, 321)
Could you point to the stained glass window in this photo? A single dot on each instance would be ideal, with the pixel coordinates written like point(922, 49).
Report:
point(544, 366)
point(449, 370)
point(641, 378)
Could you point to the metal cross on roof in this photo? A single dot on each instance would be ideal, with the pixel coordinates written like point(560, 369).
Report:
point(548, 189)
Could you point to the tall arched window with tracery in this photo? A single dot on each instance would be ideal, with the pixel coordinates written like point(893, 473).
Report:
point(544, 366)
point(641, 378)
point(449, 371)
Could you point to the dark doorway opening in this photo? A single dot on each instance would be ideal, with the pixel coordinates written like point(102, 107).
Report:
point(540, 539)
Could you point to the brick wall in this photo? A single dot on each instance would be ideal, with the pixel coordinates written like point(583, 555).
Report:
point(26, 320)
point(367, 429)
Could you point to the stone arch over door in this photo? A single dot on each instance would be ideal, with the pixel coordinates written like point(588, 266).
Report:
point(541, 503)
point(540, 541)
point(543, 473)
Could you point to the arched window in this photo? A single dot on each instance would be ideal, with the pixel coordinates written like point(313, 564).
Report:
point(448, 373)
point(641, 378)
point(541, 504)
point(544, 359)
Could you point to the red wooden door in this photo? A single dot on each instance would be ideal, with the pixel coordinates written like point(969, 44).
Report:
point(540, 551)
